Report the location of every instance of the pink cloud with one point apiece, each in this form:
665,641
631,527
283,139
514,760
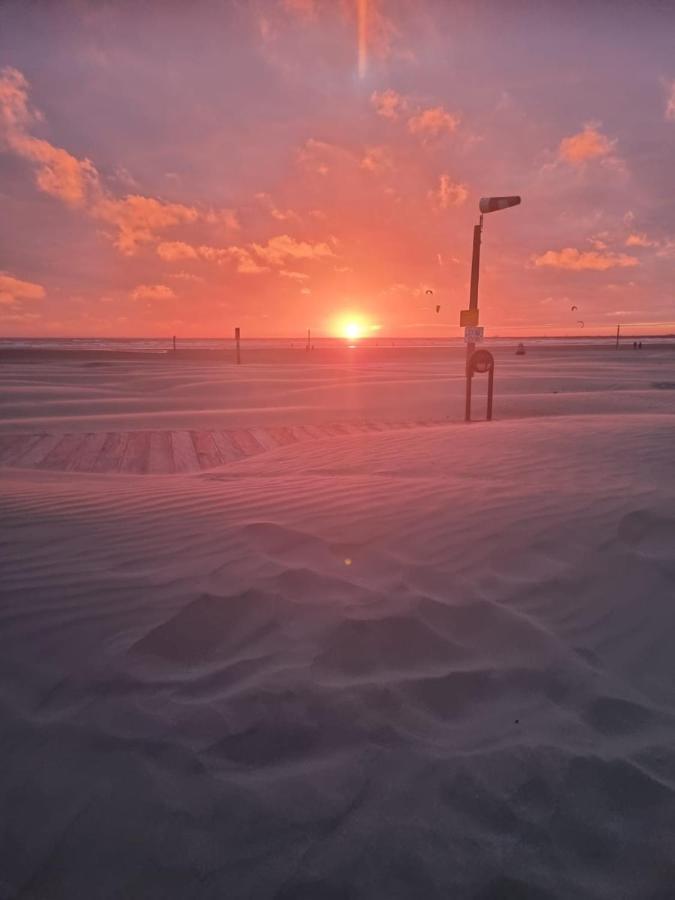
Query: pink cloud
377,160
138,218
587,144
388,104
639,240
58,172
580,260
449,193
433,122
170,251
152,292
279,249
245,263
294,276
13,289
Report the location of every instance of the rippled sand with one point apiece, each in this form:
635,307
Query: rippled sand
401,657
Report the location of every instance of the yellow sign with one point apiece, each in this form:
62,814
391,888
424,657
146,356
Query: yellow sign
468,317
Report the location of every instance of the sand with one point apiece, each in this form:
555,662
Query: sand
374,653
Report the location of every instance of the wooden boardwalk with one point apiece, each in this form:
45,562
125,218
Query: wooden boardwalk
167,452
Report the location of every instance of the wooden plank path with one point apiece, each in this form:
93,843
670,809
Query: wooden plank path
168,452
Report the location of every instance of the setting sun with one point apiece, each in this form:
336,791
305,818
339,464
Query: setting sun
353,330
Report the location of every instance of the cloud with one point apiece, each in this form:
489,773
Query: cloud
587,144
57,172
138,218
279,249
670,102
388,104
281,215
226,217
185,276
13,289
152,292
580,260
320,157
377,160
449,193
639,240
76,182
174,250
433,122
295,276
245,263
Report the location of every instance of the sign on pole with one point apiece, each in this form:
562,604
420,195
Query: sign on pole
468,317
473,334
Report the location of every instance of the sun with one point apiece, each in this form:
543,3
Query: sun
352,330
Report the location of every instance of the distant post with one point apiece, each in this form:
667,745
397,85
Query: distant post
237,335
174,343
308,339
618,328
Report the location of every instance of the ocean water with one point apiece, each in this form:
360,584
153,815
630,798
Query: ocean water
163,344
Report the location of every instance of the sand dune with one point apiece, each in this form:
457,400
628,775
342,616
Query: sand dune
425,661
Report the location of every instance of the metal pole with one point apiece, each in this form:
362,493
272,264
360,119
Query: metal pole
475,272
491,376
467,406
308,339
174,343
617,335
236,337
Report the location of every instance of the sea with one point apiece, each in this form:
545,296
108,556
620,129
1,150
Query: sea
164,344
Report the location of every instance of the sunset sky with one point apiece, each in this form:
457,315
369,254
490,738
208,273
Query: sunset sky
283,164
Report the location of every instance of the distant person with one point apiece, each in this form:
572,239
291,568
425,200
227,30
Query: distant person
634,345
640,346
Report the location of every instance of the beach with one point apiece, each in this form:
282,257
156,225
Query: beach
293,629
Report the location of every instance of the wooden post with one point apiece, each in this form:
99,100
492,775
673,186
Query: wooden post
618,327
237,334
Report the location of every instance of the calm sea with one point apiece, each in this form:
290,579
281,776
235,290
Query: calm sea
161,345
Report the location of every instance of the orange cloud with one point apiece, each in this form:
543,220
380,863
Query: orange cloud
388,104
639,240
173,250
245,263
138,218
58,172
433,122
449,193
279,249
295,276
13,289
579,260
377,160
152,292
587,144
76,182
282,215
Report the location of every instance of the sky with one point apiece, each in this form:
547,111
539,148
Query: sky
277,165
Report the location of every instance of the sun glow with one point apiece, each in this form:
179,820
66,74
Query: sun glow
352,330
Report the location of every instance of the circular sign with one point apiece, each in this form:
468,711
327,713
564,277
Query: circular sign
481,361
